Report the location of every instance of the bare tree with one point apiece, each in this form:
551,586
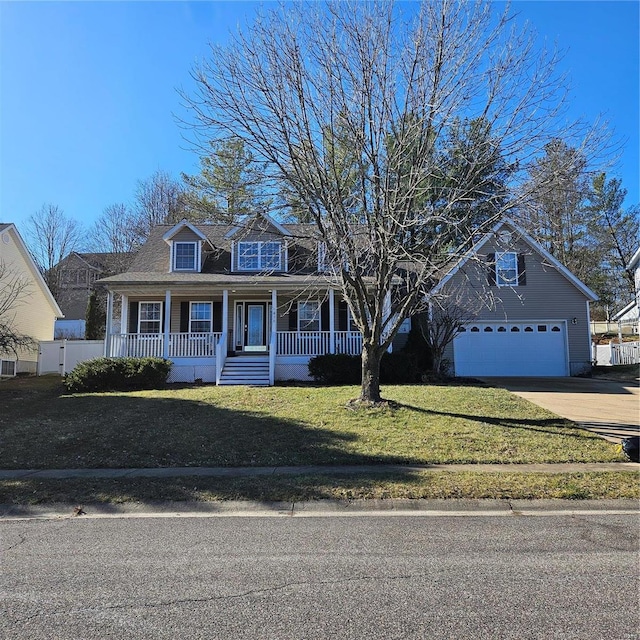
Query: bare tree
439,327
115,232
52,236
159,199
14,291
350,105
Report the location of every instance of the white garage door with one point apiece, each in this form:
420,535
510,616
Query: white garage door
511,349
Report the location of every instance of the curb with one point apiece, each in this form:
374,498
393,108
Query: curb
324,508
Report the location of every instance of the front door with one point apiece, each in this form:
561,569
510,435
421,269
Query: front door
252,326
255,330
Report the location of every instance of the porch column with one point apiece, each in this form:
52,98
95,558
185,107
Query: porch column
124,314
332,322
109,324
273,343
386,314
274,315
167,323
225,311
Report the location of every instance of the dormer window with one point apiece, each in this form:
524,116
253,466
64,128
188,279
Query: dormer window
259,256
185,255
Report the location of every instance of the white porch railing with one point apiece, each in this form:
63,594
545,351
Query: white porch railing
315,343
349,342
181,345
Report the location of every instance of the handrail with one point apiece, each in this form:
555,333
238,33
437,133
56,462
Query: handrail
221,355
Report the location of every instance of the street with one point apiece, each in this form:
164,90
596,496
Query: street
552,576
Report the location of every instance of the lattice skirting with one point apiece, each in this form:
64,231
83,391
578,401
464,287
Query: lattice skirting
184,373
292,372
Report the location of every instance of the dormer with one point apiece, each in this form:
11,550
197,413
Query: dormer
259,245
185,247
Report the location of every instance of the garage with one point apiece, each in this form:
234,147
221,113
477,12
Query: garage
533,348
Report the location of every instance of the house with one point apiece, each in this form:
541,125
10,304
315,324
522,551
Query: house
534,318
245,304
77,275
629,316
253,303
34,311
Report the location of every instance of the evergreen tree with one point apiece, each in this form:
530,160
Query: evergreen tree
95,318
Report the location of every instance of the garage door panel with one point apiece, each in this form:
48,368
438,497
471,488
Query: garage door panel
511,349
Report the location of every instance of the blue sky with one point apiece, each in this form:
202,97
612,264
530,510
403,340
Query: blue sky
88,91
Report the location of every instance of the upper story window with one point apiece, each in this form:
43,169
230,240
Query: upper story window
150,317
507,269
200,317
322,257
260,256
185,256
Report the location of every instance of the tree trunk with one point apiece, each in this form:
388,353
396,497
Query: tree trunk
371,357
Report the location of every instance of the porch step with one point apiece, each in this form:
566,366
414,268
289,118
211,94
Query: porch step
249,370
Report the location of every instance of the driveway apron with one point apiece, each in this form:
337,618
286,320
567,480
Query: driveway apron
609,408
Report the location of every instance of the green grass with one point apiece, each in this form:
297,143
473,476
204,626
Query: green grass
621,372
41,427
427,484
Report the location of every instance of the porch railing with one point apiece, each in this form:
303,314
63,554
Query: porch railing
181,345
314,343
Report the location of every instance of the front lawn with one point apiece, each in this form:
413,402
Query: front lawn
42,427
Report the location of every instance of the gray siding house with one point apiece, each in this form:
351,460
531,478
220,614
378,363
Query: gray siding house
252,304
527,314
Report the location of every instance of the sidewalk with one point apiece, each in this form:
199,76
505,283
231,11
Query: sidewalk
312,470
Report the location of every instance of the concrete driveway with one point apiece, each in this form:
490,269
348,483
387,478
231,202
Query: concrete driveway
611,409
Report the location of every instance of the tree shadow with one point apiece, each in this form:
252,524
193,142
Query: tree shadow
552,426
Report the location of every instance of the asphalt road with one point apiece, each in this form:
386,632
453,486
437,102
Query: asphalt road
340,577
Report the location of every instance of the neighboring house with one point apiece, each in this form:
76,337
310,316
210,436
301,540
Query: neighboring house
629,315
36,310
78,273
535,320
253,303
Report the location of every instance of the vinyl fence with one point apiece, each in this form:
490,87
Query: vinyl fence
61,356
613,354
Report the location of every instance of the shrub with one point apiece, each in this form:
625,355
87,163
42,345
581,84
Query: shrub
337,368
400,367
118,374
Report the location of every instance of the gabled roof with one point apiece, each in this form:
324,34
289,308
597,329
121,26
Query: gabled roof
625,310
31,265
634,260
183,224
591,295
281,230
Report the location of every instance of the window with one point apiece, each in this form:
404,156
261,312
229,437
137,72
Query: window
506,269
184,256
150,317
7,368
200,317
259,256
309,316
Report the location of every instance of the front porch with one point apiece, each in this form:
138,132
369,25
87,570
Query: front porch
269,333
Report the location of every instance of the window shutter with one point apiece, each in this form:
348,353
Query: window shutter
324,316
491,269
133,317
293,317
216,310
342,316
522,271
184,317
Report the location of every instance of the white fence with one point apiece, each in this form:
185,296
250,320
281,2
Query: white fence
315,343
61,356
614,354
